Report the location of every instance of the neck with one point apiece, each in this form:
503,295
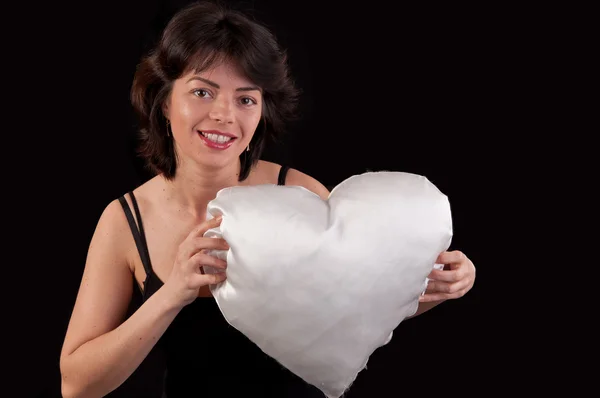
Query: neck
195,185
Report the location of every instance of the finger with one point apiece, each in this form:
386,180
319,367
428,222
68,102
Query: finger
199,244
437,287
209,244
201,229
200,259
450,257
429,297
213,279
446,275
209,279
446,287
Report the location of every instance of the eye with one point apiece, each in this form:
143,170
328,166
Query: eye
201,93
247,101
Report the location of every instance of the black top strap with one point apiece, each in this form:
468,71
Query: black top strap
138,232
282,173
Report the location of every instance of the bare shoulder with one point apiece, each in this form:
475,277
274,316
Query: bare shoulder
113,226
268,172
110,246
106,284
296,177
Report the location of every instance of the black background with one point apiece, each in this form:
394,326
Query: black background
384,88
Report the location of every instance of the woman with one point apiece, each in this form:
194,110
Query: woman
208,97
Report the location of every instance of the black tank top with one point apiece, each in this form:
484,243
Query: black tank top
200,354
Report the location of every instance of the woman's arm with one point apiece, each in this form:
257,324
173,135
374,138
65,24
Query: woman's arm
99,352
453,282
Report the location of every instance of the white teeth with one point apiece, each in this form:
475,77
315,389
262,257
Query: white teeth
220,139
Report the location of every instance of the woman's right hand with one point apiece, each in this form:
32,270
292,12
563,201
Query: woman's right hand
187,277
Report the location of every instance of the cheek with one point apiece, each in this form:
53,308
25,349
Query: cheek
185,112
251,121
182,111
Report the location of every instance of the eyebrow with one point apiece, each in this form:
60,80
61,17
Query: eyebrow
215,85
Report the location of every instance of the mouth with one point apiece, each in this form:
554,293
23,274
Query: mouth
216,139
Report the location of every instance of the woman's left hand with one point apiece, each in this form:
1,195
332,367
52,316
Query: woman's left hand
452,282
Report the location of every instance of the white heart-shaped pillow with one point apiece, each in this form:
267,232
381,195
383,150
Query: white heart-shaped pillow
320,285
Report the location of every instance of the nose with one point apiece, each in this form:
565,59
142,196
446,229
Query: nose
221,111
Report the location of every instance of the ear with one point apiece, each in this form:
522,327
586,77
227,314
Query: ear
165,109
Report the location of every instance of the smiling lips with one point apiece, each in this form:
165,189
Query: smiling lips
216,139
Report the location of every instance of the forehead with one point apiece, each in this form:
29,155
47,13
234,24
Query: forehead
223,72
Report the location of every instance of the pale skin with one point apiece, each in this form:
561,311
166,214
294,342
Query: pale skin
101,349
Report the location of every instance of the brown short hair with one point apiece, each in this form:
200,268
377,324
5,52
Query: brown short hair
197,37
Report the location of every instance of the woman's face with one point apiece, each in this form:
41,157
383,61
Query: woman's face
213,115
